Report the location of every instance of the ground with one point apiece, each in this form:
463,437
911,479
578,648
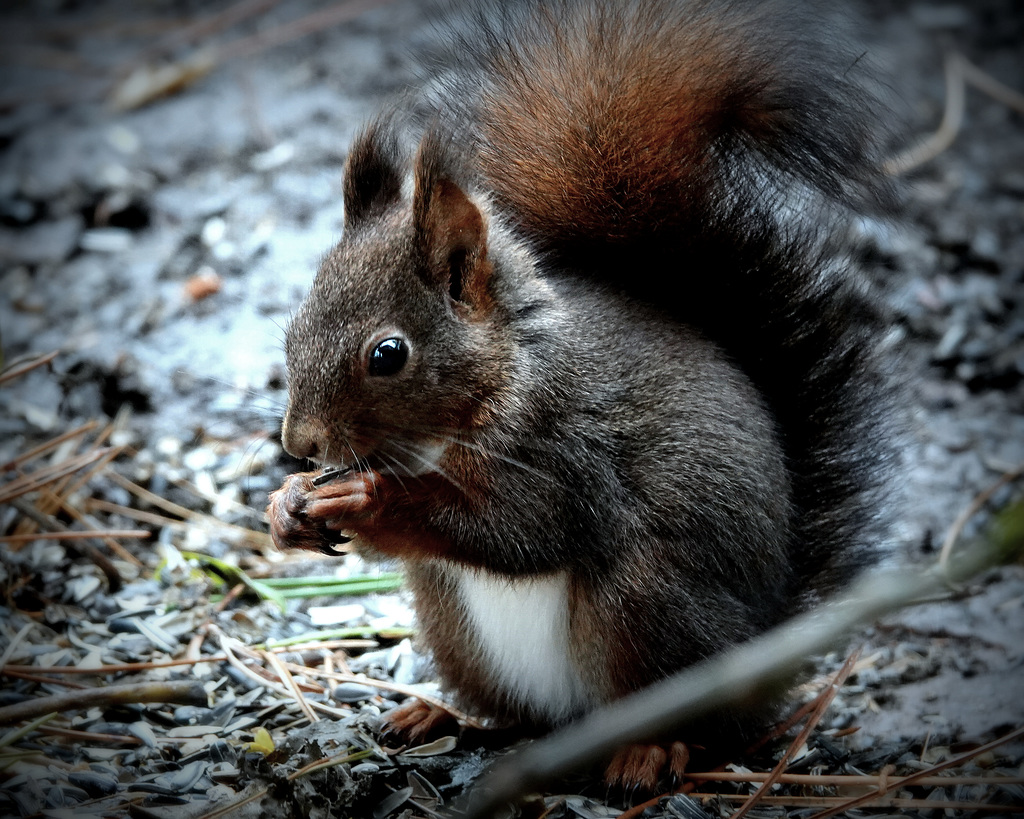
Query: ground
158,247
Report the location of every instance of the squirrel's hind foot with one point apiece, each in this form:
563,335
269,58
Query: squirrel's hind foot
638,767
417,722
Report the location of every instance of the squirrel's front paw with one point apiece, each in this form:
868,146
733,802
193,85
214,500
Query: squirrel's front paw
343,502
304,515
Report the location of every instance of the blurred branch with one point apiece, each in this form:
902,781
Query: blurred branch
149,81
959,74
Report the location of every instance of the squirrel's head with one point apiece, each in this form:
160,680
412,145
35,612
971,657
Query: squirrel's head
397,350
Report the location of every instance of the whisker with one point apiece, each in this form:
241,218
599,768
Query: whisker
411,451
282,327
449,437
508,459
396,464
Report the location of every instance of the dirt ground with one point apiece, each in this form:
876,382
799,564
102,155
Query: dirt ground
159,246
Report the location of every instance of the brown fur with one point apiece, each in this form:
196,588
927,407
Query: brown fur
633,115
695,468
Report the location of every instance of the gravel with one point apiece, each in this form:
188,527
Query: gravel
160,251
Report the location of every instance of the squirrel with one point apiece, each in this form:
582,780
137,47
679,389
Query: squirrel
582,360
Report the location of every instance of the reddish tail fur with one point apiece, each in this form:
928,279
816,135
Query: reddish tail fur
633,120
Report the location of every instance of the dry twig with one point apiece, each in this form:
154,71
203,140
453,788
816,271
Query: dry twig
387,685
329,762
824,700
975,506
874,781
837,804
285,675
33,481
71,534
147,82
19,368
257,674
50,523
46,446
889,786
185,693
959,73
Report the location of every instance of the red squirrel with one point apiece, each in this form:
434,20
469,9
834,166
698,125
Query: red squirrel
580,358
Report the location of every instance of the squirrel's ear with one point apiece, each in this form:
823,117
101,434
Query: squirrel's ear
451,233
373,178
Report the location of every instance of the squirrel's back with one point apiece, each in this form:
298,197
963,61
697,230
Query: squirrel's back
695,155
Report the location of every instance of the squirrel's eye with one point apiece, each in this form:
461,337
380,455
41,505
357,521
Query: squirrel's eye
389,357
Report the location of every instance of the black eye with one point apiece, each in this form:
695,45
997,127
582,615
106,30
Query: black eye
389,357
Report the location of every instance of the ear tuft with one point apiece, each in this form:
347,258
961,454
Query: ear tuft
373,177
450,229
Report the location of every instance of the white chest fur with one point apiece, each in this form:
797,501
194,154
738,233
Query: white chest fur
522,626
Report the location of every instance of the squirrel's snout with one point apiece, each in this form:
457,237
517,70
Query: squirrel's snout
304,437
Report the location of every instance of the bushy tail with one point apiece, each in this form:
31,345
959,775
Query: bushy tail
698,148
632,118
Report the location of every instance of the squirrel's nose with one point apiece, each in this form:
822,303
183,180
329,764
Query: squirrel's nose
304,437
